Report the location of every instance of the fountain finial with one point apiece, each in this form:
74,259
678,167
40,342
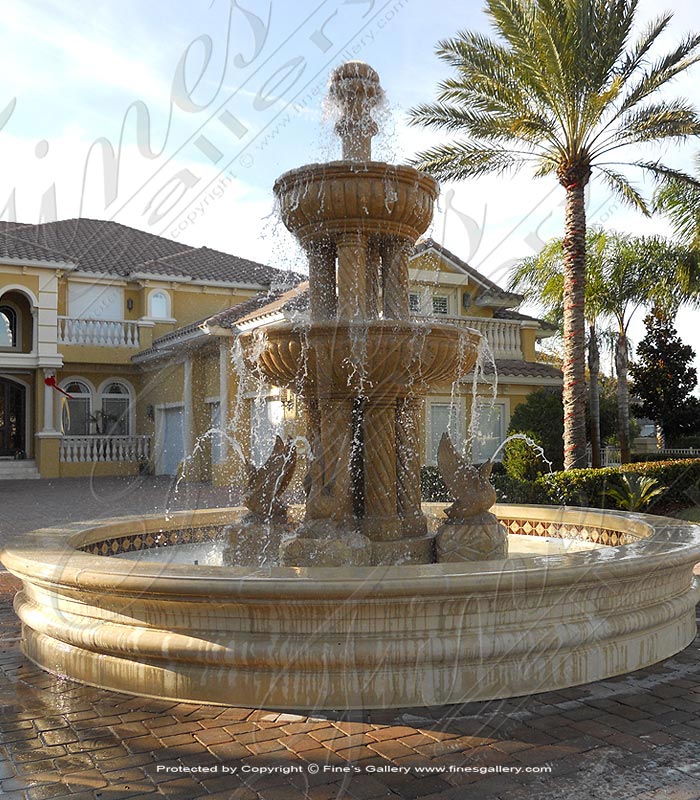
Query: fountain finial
355,87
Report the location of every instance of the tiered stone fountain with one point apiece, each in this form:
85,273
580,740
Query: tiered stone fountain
361,365
383,629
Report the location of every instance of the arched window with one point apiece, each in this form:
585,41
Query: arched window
9,329
76,419
159,305
114,419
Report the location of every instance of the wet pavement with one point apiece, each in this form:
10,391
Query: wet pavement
28,505
637,736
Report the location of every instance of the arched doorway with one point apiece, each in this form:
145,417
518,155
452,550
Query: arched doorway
13,411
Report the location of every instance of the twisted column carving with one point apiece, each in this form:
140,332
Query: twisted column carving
352,276
374,257
323,302
395,255
408,488
335,457
380,459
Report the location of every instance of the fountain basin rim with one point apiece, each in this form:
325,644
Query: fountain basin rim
225,636
50,556
380,324
361,168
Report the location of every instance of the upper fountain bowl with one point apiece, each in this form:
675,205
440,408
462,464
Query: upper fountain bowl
342,196
356,194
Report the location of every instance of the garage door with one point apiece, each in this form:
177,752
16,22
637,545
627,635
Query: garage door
171,443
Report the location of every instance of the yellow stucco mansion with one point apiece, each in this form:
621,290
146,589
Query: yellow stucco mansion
116,352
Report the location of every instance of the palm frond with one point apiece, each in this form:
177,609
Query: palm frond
468,159
636,57
680,202
661,172
623,189
676,119
662,72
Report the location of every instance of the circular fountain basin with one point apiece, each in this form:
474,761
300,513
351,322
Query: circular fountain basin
377,357
332,198
369,637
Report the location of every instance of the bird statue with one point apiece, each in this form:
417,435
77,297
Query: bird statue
267,483
470,532
468,484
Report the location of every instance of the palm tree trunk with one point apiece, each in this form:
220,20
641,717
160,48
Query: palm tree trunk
660,436
594,394
623,398
574,391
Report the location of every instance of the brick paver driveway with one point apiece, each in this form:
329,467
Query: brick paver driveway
28,505
635,737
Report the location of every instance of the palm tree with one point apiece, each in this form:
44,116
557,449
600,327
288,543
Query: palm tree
624,273
541,279
561,88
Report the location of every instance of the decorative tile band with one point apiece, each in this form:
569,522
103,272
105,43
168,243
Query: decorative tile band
560,530
134,542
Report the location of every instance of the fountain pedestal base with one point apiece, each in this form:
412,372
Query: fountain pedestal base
334,549
478,538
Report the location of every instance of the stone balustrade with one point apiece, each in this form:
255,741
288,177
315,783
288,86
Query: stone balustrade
503,335
77,449
98,332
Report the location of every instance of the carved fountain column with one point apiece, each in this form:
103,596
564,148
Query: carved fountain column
408,485
323,302
352,275
395,255
380,520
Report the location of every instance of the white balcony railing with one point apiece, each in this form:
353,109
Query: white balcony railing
98,332
79,449
610,455
503,335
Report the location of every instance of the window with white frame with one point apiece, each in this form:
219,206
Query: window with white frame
442,418
490,430
76,416
159,305
10,326
115,413
95,301
441,304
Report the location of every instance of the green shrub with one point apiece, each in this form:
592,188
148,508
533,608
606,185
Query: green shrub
586,487
542,414
635,492
688,440
433,489
522,460
513,490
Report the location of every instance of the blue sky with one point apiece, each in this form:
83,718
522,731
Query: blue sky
213,99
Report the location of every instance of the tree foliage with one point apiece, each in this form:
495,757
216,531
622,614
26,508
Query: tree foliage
564,87
542,418
664,378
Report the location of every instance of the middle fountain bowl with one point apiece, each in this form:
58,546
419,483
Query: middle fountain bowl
385,358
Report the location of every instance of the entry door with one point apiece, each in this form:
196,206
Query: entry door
172,440
12,417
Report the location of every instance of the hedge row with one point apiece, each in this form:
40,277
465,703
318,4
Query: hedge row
587,487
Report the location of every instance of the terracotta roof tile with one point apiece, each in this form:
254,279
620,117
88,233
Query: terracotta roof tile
103,246
526,369
491,290
14,247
